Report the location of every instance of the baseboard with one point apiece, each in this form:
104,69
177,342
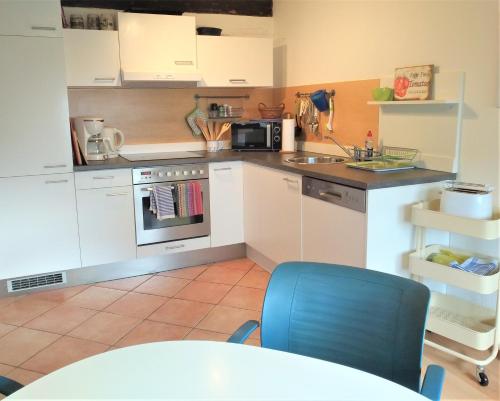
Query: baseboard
260,259
137,267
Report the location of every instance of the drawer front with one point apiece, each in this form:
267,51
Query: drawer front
103,178
167,248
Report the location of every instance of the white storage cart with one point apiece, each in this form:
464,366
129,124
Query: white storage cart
464,322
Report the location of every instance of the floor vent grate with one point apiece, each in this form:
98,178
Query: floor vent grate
44,280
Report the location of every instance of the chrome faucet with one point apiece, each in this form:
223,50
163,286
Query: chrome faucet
346,151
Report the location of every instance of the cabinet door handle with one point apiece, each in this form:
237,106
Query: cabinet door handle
328,194
168,248
223,169
291,181
117,194
55,181
54,166
43,28
183,62
104,177
238,81
104,79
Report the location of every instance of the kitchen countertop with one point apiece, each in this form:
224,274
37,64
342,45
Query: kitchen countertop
337,173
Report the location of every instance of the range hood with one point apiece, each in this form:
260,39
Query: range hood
160,79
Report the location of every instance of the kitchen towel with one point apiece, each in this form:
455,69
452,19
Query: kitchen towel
196,199
182,200
476,265
164,202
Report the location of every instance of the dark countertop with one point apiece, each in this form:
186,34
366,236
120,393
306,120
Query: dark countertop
337,173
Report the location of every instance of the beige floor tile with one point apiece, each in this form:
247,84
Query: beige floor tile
189,273
244,298
224,319
104,327
252,341
63,352
59,295
8,300
24,309
257,268
24,376
181,312
206,335
6,328
96,298
204,292
125,284
21,344
163,286
239,264
255,279
137,305
221,274
149,331
61,319
4,369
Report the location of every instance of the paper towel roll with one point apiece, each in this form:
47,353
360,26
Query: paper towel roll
288,135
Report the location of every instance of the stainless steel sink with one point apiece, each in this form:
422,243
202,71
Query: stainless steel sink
316,159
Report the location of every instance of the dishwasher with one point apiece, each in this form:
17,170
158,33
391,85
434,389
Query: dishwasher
333,223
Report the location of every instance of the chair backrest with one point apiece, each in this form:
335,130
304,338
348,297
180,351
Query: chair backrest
361,318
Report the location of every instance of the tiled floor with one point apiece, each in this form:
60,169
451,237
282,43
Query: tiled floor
42,332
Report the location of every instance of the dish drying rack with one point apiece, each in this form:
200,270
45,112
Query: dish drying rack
462,321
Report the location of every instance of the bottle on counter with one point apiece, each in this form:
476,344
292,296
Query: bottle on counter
369,144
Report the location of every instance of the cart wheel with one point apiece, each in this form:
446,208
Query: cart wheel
481,376
483,379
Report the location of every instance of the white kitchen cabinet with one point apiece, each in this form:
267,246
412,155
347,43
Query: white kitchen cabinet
31,18
333,233
272,212
34,114
92,57
106,225
157,44
226,203
226,61
39,225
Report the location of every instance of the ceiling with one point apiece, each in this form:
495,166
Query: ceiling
259,8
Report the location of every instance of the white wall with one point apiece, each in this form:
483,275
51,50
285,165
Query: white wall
328,40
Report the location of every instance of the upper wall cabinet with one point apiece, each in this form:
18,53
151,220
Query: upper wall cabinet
157,47
92,57
35,136
226,61
30,18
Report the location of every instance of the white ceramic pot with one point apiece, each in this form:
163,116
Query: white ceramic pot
475,202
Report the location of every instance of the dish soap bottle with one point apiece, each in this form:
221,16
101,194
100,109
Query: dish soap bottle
369,145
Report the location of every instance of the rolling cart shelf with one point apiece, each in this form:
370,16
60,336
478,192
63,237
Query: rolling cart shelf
459,320
446,274
427,214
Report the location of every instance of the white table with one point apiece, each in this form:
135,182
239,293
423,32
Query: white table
206,370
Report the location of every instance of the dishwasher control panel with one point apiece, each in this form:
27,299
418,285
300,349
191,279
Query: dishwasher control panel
351,198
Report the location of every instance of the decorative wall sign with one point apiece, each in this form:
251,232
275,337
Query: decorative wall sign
413,83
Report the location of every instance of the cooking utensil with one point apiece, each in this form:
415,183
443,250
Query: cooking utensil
223,130
202,125
320,100
329,125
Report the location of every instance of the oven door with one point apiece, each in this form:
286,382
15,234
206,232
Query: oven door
253,136
150,230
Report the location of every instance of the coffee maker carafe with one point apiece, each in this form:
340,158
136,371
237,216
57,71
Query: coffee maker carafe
90,138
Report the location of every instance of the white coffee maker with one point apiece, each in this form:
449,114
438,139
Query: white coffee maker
89,133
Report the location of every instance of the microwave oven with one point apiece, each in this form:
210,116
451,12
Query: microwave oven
264,135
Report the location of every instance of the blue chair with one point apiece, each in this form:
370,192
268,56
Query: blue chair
9,386
360,318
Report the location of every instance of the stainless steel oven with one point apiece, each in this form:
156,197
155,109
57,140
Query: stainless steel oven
149,229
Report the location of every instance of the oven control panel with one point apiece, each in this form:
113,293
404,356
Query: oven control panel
180,172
